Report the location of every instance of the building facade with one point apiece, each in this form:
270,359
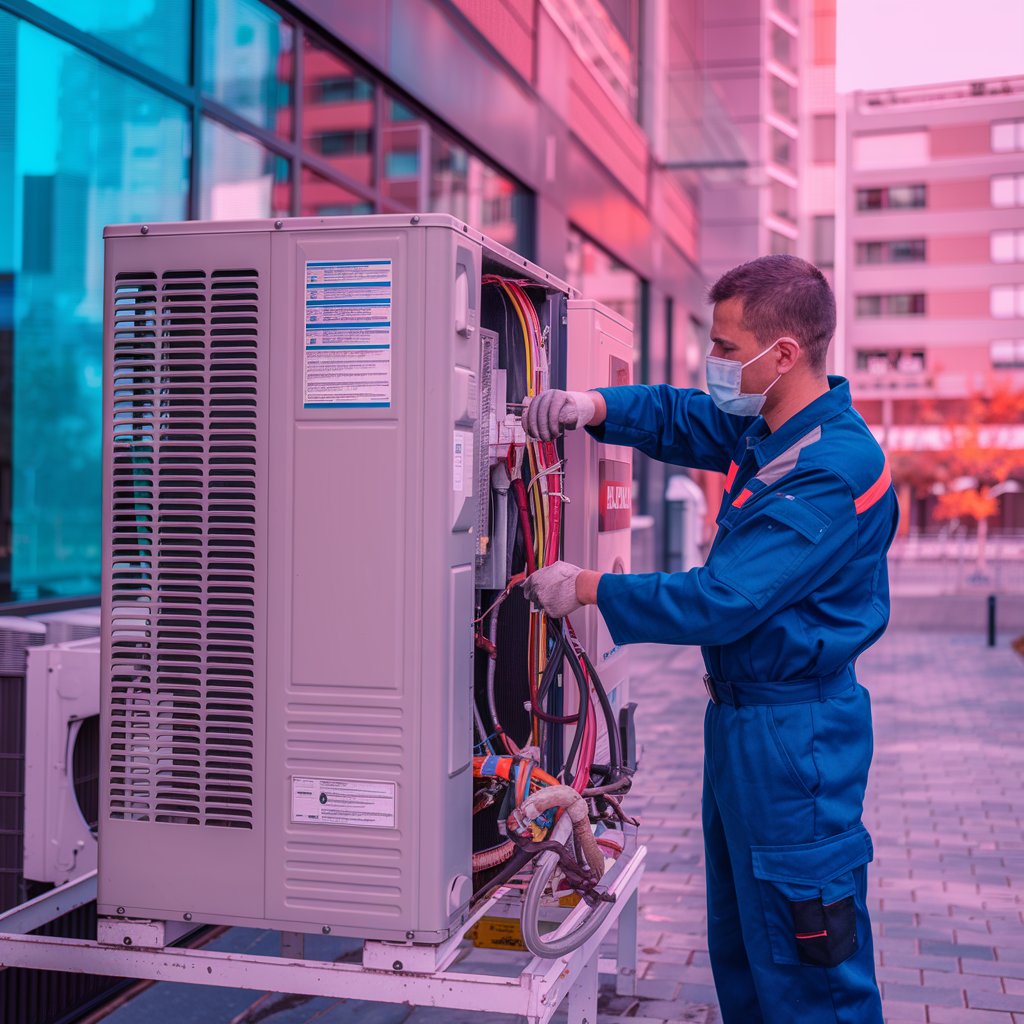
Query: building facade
533,119
931,259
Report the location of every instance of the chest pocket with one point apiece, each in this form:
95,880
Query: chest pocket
766,544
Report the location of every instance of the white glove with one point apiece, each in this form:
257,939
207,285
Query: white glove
550,412
553,589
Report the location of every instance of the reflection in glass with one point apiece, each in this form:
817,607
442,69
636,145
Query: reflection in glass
324,198
239,178
600,276
247,62
405,136
156,32
338,114
70,173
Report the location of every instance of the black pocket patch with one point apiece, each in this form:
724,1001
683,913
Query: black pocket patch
826,933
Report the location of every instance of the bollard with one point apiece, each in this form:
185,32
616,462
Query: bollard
991,620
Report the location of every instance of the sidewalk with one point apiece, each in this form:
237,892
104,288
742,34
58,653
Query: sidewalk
945,807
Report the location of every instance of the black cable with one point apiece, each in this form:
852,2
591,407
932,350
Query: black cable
614,740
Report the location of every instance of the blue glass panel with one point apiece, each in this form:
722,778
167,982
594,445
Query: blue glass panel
248,60
156,32
81,146
240,178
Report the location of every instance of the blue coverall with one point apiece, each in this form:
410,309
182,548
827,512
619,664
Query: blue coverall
794,589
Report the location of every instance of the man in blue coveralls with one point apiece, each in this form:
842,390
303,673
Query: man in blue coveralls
795,587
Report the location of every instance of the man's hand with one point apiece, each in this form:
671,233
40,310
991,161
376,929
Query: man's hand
561,589
547,415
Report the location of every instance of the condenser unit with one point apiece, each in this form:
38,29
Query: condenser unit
312,428
62,706
72,624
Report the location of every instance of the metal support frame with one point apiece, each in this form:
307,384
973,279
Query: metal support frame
536,992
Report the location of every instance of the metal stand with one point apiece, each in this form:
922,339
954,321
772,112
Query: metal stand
417,975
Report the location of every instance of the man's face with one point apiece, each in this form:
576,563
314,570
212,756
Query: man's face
729,340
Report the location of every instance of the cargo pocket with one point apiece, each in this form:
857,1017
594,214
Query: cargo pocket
810,894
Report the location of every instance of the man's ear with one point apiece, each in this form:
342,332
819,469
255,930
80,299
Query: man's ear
789,353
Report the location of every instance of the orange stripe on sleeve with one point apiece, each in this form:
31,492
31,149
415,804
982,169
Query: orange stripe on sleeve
731,475
875,491
741,498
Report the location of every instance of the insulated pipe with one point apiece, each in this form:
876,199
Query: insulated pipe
545,866
579,814
487,859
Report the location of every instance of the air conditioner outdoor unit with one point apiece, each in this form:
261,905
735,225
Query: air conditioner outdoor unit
73,624
310,429
61,760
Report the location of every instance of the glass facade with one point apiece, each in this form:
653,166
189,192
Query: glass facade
600,276
154,110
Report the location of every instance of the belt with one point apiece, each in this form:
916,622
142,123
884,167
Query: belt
787,691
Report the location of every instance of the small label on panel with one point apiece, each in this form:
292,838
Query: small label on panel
347,334
462,459
615,496
344,802
618,372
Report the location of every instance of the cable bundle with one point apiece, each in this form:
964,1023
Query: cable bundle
546,801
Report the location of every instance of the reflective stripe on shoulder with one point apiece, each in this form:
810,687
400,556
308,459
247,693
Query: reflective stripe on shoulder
772,472
731,475
874,493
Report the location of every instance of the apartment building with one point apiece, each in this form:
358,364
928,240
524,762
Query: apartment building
931,253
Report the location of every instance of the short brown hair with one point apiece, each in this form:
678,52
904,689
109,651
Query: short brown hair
782,295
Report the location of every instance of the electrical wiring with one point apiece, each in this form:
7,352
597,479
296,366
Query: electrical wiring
537,797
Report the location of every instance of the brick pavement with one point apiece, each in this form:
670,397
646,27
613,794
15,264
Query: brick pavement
945,806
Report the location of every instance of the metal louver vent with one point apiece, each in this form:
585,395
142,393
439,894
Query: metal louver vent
183,545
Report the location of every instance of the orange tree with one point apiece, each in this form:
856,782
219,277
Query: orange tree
978,457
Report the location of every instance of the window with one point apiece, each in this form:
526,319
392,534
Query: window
783,201
910,250
896,304
338,123
825,241
598,274
896,197
783,97
66,173
1007,190
345,89
823,139
343,143
1006,301
905,197
323,198
783,149
86,142
1008,136
1007,246
886,361
241,179
247,62
783,47
156,32
1007,353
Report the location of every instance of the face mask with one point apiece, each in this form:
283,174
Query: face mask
724,379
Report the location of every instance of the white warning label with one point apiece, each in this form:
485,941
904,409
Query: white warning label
344,802
347,334
462,459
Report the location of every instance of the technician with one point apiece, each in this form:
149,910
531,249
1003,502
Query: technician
795,587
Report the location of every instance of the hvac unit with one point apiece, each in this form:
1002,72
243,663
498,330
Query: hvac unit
17,637
62,709
74,624
322,689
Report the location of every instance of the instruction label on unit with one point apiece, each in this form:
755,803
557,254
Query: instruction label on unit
462,459
344,802
347,334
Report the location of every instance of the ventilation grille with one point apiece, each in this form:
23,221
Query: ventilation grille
183,557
